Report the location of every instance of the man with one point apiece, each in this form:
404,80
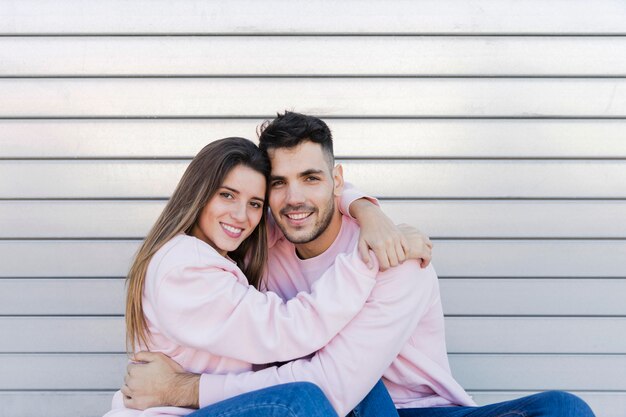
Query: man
399,333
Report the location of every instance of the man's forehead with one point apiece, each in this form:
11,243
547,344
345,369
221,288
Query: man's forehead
307,156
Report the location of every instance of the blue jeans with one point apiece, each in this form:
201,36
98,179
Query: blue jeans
545,404
377,403
298,399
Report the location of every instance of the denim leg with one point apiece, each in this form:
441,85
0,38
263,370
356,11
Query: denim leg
298,399
377,403
545,404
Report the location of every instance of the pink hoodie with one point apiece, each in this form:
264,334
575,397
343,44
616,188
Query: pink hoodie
202,312
398,334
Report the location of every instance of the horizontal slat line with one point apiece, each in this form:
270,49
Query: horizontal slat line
359,117
581,35
458,353
386,77
488,335
534,298
560,259
315,16
326,117
544,372
340,159
484,238
394,97
356,158
347,116
121,315
568,316
369,34
479,297
586,277
439,179
530,354
398,198
548,316
70,315
103,390
617,391
52,278
388,200
119,352
37,371
441,277
315,77
440,239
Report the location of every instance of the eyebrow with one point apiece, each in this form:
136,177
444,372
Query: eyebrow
311,171
301,174
237,192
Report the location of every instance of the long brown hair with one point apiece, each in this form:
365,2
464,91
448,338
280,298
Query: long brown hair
203,177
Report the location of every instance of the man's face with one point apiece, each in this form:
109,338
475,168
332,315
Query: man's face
302,191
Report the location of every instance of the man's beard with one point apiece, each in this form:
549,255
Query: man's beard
319,227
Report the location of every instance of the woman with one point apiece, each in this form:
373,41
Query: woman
188,295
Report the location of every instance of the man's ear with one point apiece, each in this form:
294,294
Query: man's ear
338,180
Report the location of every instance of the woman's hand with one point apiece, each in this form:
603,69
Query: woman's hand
419,246
391,244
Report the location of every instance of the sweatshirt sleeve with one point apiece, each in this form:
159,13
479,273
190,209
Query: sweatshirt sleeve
349,366
206,307
351,194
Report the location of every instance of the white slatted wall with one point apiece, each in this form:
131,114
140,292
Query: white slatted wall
498,127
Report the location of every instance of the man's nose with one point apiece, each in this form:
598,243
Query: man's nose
295,195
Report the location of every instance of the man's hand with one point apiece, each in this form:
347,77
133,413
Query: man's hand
391,244
154,380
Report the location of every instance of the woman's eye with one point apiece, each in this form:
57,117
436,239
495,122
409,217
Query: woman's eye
256,204
226,195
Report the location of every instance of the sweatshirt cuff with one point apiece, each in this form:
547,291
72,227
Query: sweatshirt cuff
350,195
211,389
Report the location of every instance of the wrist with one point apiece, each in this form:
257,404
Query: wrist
361,208
184,391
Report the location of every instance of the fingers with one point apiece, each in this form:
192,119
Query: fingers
126,391
381,254
364,253
144,356
390,250
400,249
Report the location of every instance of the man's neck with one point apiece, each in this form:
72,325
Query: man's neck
323,242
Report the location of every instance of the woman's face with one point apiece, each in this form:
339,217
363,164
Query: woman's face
234,211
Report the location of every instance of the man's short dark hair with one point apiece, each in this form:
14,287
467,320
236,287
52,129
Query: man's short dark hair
290,129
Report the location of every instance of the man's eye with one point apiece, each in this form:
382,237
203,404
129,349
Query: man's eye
277,183
312,179
226,195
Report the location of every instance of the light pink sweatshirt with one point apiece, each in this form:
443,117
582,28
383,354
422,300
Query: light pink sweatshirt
202,312
398,334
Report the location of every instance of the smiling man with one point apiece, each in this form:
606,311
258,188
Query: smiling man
399,333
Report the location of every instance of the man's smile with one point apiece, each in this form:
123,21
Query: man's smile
297,216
